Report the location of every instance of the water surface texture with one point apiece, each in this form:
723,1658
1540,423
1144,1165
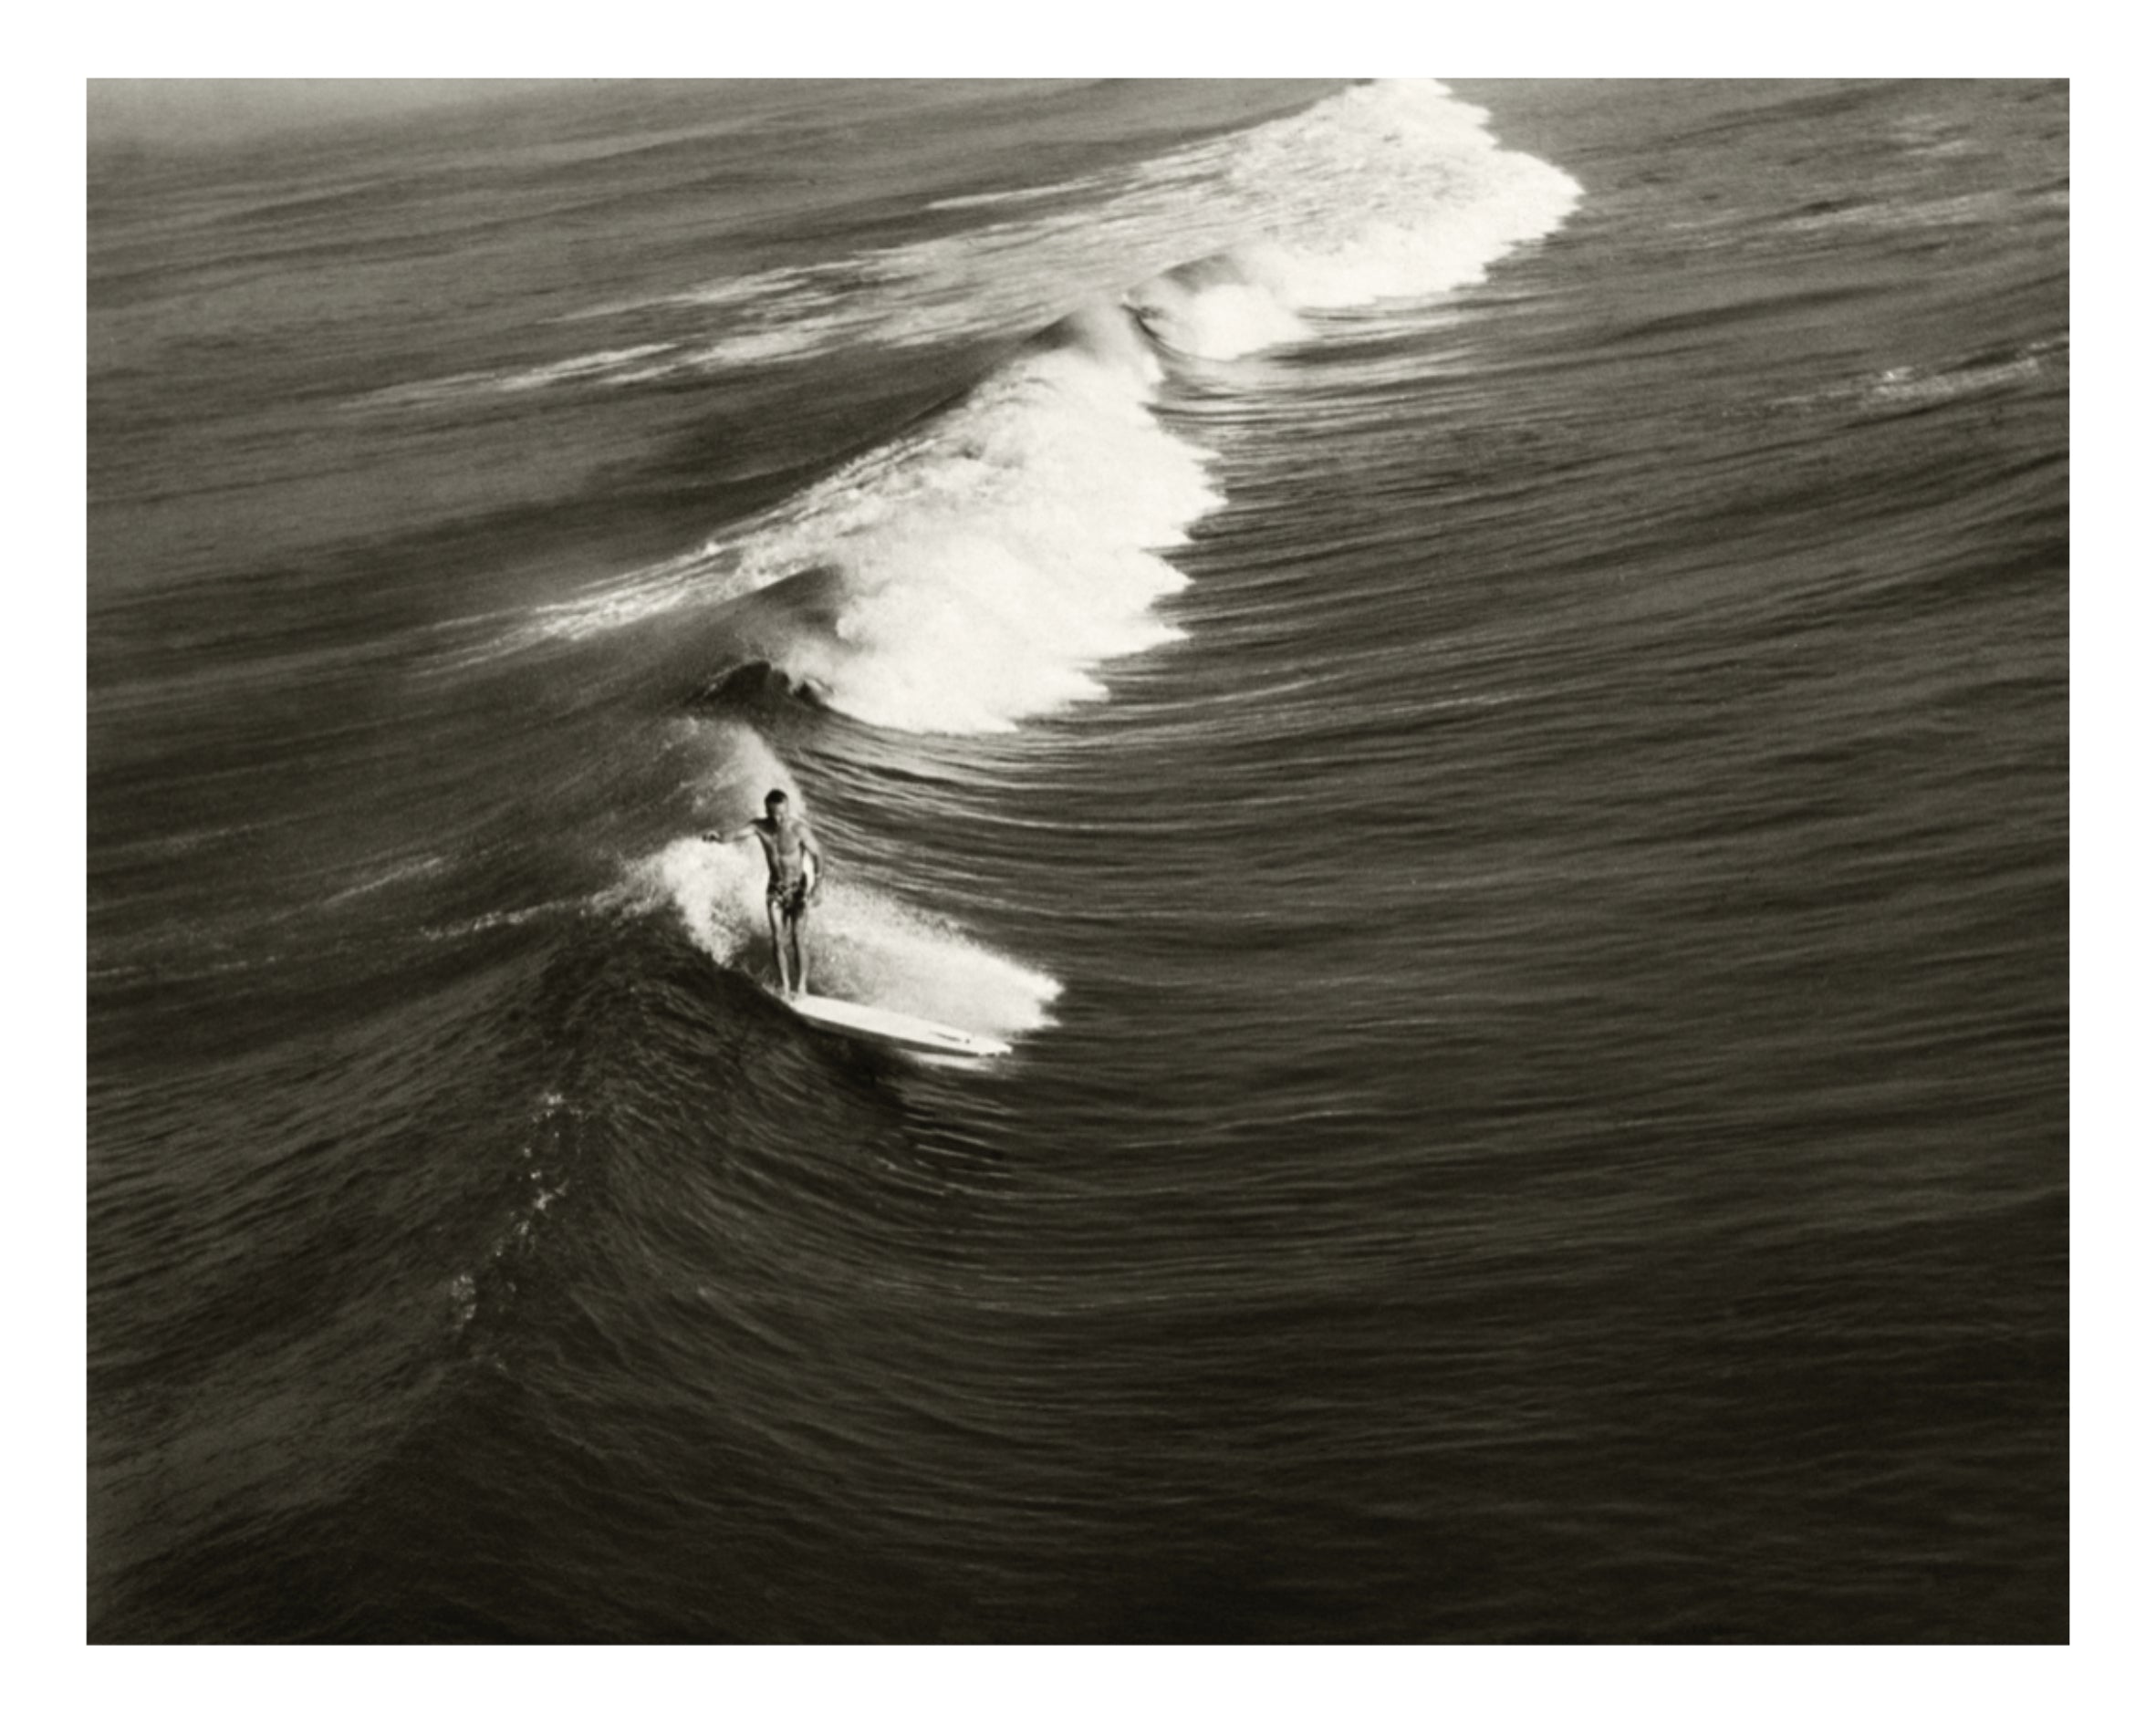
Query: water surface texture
1475,676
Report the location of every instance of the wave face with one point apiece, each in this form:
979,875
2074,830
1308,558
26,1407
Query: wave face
1498,754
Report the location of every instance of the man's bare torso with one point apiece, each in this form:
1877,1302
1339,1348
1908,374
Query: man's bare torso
785,849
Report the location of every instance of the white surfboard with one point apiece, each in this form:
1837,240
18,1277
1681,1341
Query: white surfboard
891,1029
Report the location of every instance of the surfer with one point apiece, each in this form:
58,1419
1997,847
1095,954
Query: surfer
797,865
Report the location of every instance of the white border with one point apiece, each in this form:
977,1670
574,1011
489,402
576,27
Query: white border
2112,1284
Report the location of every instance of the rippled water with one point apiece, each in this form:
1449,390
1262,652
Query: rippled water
1486,705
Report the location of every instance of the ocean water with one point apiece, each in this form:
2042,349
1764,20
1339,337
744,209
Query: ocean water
1475,675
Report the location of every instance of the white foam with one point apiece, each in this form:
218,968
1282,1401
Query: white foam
870,948
718,889
983,566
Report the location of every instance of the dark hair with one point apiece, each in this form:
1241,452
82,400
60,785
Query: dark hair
777,796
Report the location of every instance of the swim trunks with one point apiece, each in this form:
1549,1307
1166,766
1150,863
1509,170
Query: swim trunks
788,900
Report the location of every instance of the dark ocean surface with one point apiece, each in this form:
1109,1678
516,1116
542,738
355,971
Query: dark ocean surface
1486,705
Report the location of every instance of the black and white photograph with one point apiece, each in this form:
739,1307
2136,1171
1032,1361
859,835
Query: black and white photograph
1078,861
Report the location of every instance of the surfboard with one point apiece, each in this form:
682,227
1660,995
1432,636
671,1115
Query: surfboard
891,1029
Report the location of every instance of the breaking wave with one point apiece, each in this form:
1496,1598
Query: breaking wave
978,569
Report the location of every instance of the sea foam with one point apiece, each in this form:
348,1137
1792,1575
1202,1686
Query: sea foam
981,567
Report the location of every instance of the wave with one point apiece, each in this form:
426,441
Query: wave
978,569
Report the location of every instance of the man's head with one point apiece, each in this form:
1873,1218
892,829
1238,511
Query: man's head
774,805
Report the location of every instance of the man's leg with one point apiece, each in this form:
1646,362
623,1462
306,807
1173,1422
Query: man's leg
778,945
800,948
